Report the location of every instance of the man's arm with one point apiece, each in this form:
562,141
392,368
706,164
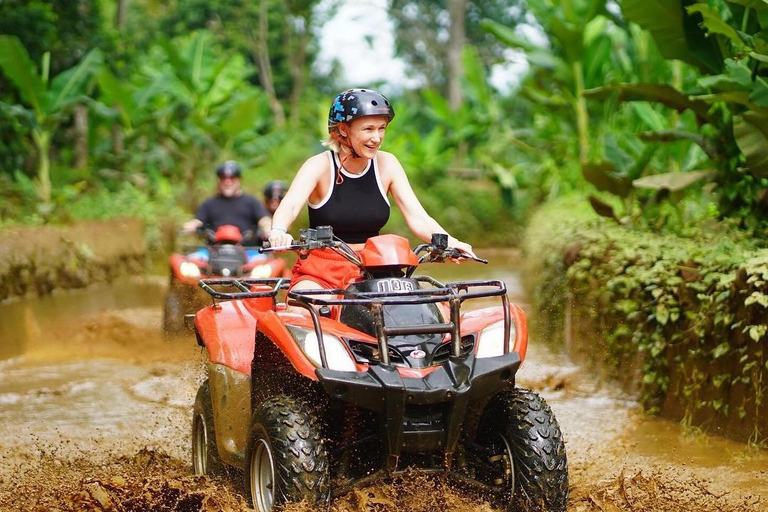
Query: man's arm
262,218
191,225
201,215
265,223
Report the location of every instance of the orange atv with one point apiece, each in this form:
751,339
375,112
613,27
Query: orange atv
224,255
332,388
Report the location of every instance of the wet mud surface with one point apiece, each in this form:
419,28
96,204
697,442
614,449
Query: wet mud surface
96,415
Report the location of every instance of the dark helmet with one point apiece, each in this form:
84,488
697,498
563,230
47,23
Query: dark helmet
229,169
354,103
275,189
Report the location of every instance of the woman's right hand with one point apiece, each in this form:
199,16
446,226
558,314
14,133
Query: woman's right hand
279,238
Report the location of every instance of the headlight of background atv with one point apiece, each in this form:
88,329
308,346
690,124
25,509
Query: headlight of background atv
491,342
261,271
189,269
335,352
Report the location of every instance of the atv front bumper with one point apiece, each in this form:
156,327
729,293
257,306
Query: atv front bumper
423,414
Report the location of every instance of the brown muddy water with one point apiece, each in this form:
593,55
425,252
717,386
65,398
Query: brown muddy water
96,415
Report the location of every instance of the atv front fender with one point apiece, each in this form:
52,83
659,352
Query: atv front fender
423,414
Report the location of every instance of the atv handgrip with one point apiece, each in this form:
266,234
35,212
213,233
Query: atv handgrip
267,247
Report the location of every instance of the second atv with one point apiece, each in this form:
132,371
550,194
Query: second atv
224,255
332,388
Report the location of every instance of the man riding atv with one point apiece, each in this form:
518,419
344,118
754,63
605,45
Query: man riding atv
232,224
231,206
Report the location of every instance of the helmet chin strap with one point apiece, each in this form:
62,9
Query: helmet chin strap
344,142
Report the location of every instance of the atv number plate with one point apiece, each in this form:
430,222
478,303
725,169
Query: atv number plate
394,285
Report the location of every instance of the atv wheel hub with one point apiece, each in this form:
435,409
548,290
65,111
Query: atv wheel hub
262,477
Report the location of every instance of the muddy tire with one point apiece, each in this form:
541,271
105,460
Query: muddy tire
519,428
286,460
205,455
173,314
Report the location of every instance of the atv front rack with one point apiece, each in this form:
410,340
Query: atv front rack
245,285
453,293
315,300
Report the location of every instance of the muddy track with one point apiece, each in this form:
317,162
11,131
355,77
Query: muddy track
97,417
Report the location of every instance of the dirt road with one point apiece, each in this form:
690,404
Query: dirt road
96,413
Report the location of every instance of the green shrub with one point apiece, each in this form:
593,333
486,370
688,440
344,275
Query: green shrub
680,320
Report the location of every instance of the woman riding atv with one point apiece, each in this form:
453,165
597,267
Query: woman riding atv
347,188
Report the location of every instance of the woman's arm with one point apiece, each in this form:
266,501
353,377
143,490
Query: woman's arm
417,218
301,188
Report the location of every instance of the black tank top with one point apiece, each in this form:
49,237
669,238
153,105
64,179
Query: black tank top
357,208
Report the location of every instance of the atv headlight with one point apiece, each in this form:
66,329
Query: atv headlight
189,269
491,341
261,271
335,352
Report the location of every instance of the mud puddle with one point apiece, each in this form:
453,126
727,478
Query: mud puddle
96,415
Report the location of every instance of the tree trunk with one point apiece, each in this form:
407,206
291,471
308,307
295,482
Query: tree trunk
81,136
118,142
120,14
298,63
582,114
457,10
265,68
43,144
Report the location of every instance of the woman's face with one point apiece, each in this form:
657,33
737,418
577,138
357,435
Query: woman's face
366,134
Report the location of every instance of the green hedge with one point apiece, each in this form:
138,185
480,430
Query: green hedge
680,320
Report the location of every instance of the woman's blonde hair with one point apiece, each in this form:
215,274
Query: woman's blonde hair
330,141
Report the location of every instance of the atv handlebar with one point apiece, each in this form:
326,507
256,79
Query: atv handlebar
436,251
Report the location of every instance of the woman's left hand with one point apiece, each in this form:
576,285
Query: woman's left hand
463,247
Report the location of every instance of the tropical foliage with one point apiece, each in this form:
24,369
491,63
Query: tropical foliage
655,111
680,320
48,99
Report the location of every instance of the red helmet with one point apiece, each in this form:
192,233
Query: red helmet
228,233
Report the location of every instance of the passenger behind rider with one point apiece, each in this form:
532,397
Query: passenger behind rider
274,192
231,206
348,188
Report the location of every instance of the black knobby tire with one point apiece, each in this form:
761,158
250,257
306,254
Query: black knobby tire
520,424
286,460
205,455
173,314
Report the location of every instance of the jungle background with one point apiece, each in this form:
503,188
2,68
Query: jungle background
629,157
655,115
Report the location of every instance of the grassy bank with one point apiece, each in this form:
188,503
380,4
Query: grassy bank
681,321
39,259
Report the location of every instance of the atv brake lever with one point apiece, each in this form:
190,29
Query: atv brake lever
458,253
